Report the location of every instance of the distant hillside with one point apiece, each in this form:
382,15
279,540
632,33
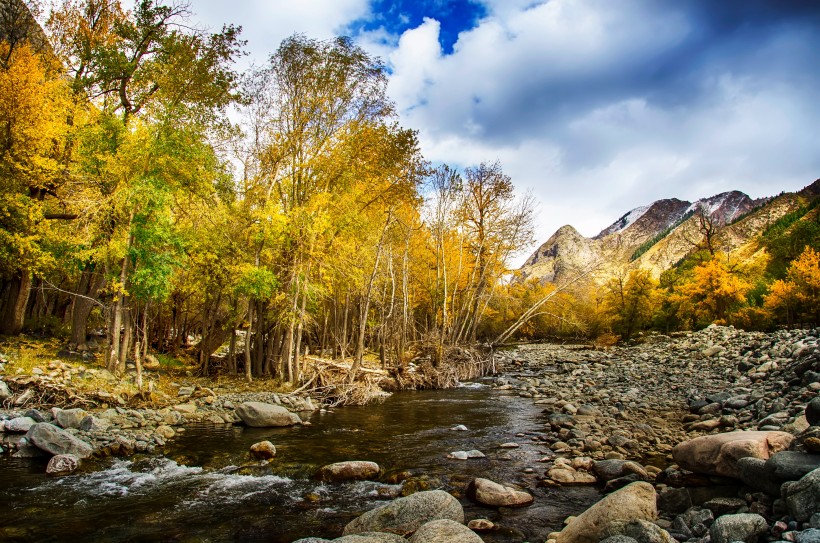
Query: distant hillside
657,236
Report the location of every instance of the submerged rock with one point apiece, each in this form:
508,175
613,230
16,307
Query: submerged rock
63,464
263,450
353,470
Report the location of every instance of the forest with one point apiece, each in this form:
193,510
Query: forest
156,199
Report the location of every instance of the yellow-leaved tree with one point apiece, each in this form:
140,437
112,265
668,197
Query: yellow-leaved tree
796,299
714,293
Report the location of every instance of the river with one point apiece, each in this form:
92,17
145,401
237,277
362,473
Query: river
203,489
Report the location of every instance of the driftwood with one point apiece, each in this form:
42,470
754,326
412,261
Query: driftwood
31,390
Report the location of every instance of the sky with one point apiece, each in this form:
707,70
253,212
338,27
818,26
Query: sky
595,106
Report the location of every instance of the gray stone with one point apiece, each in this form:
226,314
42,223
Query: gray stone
640,530
814,521
69,418
674,501
353,470
312,540
62,464
745,527
37,415
406,515
5,392
94,424
444,531
812,535
724,506
19,424
615,468
813,411
792,465
263,415
54,440
753,472
619,539
803,497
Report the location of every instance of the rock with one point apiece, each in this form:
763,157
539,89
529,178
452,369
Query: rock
803,497
150,363
263,450
745,527
607,470
641,531
753,472
509,445
724,506
69,418
813,411
674,501
186,408
570,476
459,428
406,515
444,531
712,351
481,525
165,431
370,537
490,493
619,539
94,424
62,464
264,415
718,454
54,440
353,470
812,535
792,465
633,502
19,424
5,392
312,540
37,415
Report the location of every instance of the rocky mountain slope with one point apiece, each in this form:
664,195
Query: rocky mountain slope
656,236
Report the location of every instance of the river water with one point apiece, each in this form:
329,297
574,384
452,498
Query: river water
204,489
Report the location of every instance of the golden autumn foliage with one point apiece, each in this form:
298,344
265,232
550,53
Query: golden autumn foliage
796,299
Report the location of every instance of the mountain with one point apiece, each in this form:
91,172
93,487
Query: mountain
657,236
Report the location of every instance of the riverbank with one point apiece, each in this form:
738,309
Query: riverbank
608,419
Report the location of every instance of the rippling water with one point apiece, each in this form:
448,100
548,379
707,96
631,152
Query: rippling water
206,488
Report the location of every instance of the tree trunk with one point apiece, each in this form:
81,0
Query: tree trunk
90,285
14,301
248,375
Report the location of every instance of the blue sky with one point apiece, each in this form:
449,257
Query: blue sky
595,106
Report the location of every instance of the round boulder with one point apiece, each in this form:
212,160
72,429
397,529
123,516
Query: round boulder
53,440
354,470
264,450
803,497
406,515
445,531
486,492
636,501
265,415
62,464
742,527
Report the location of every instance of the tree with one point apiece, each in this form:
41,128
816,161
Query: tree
714,293
631,302
797,298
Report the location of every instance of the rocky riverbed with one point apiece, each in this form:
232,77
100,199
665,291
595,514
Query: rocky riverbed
700,437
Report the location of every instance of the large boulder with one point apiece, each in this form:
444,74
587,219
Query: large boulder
745,527
445,531
353,470
265,415
641,531
406,515
803,497
753,472
636,501
53,440
69,418
792,465
718,454
490,493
